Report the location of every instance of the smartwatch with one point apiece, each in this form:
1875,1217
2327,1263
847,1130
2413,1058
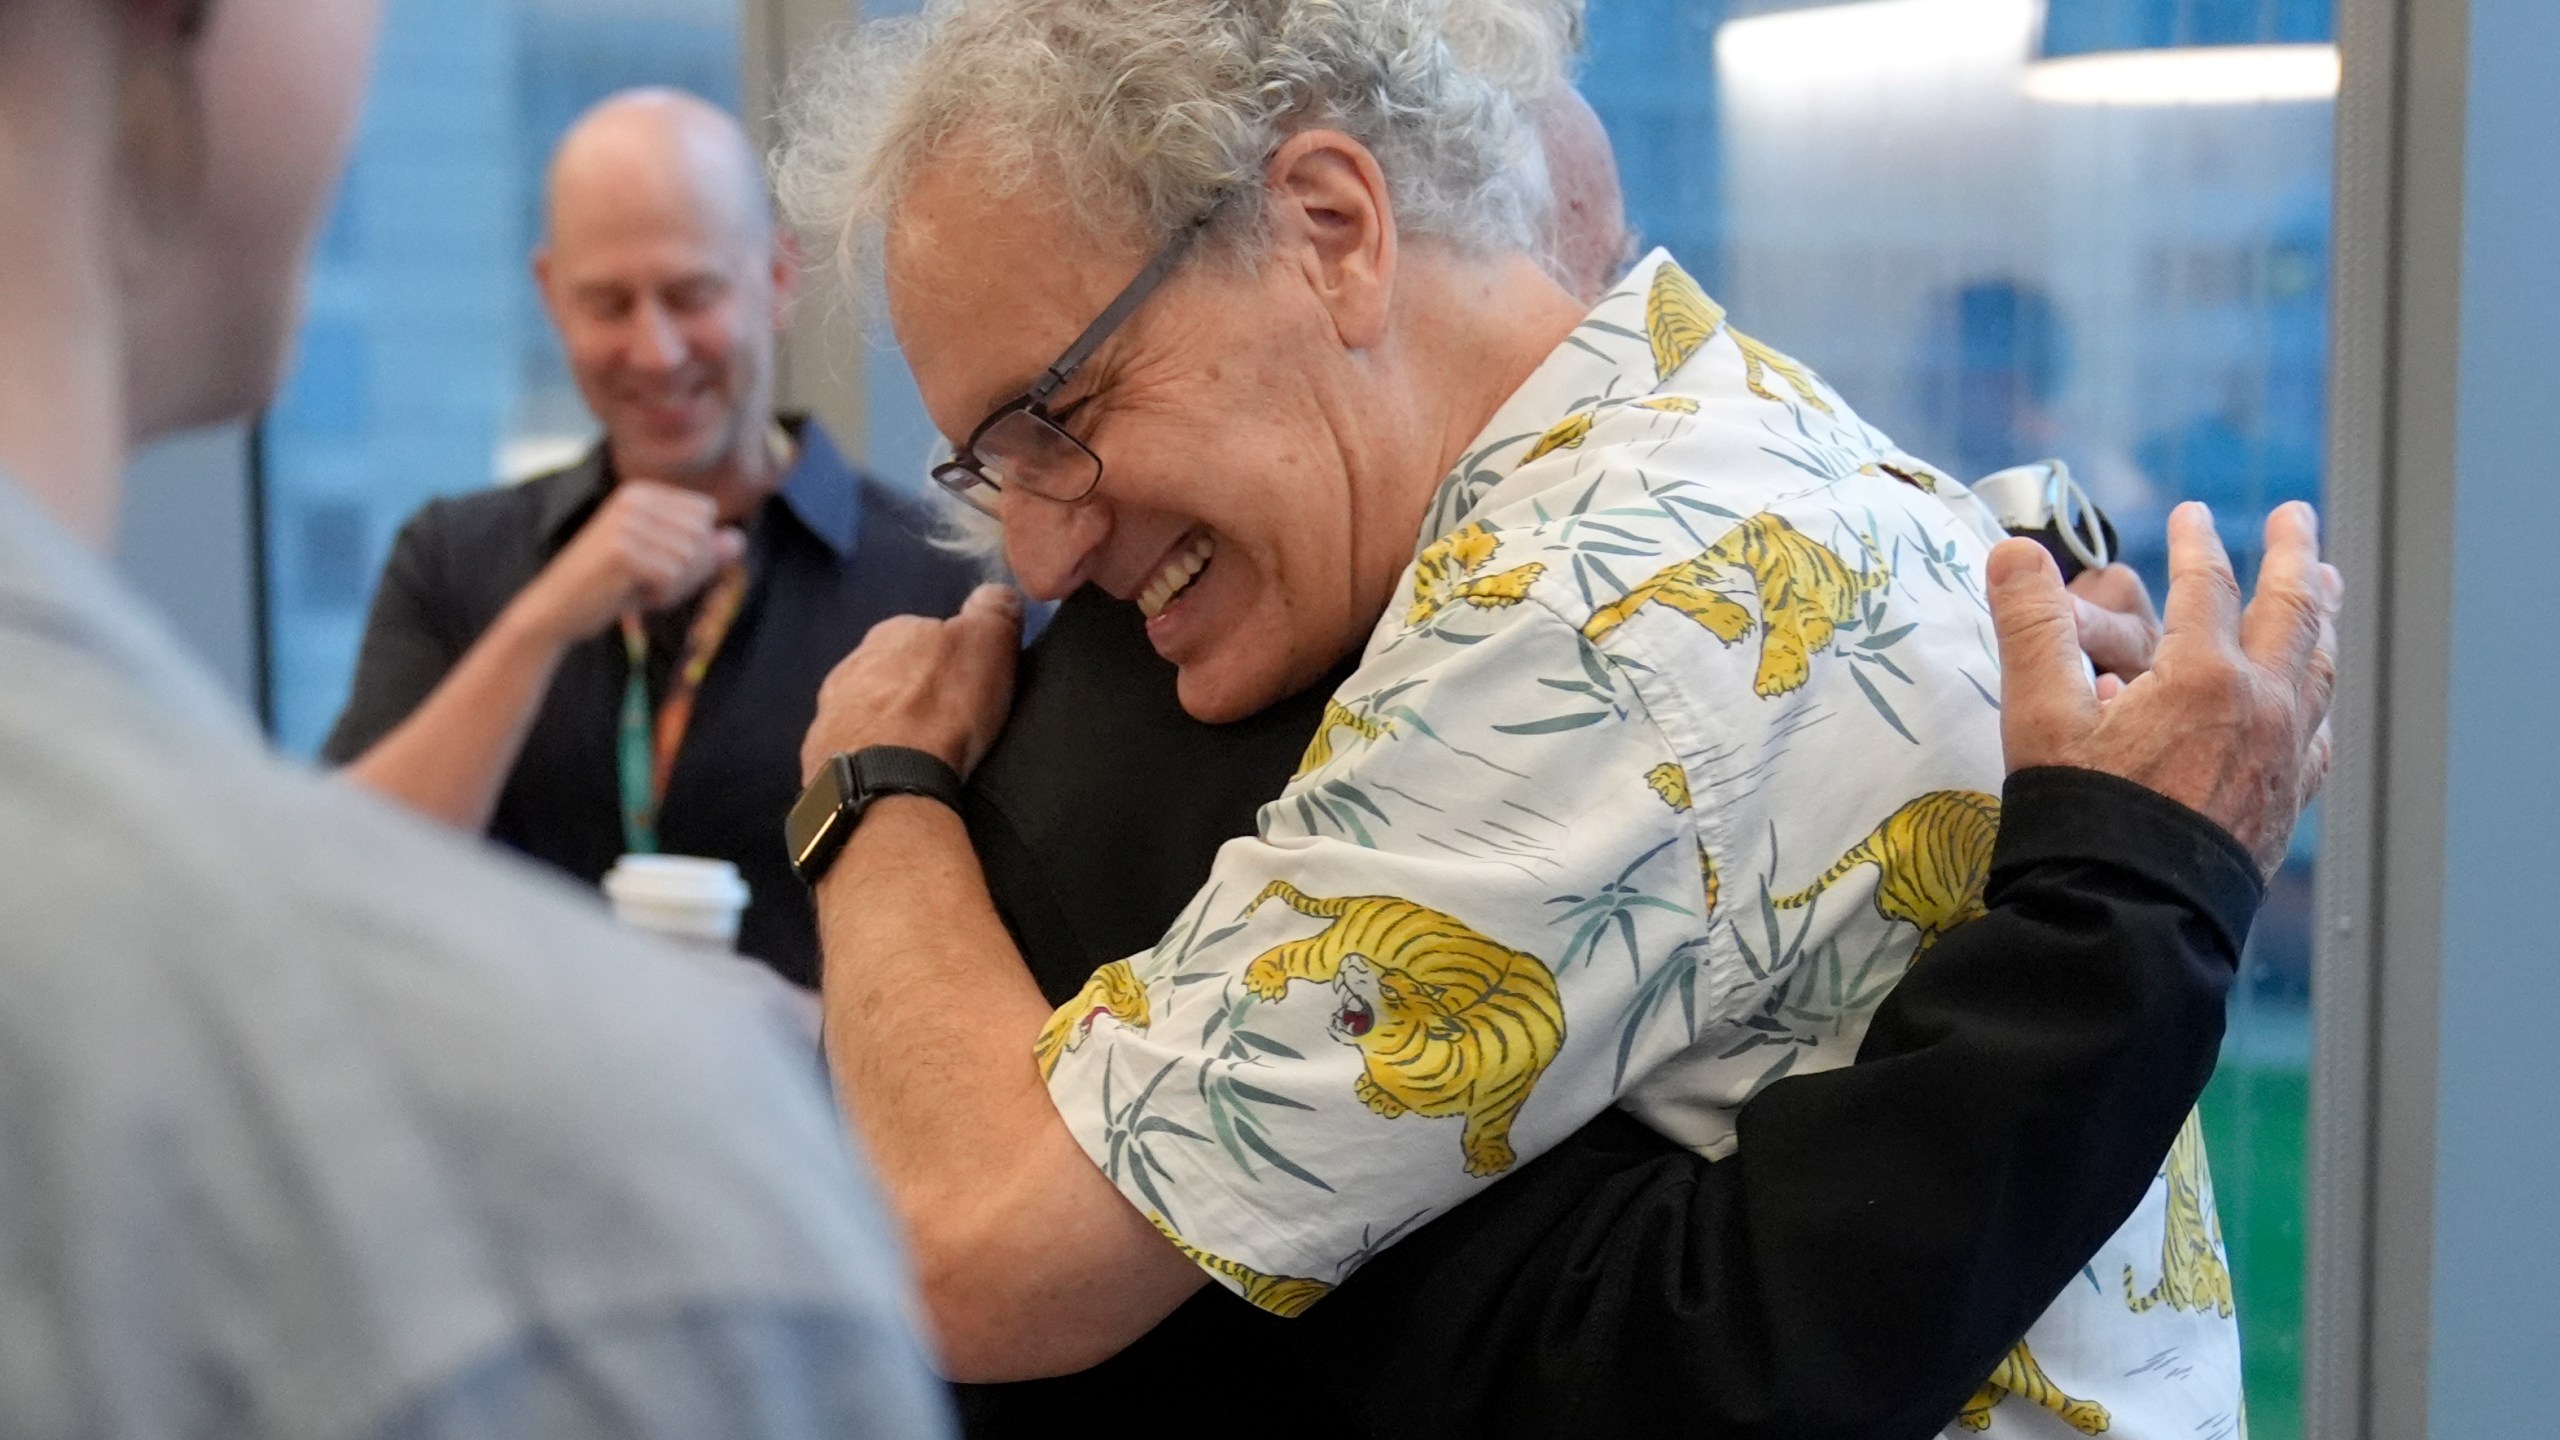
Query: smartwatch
2041,502
846,785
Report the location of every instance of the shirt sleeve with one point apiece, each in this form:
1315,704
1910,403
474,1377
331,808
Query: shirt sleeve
408,649
1886,1231
1432,963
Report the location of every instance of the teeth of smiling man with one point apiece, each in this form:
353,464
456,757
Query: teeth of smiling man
1179,571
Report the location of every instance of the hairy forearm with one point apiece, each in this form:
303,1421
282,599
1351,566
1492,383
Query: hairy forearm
450,758
930,1019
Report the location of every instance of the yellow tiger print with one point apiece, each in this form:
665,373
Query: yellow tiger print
1283,1295
1806,593
1572,430
1446,575
2020,1375
1679,318
2192,1274
1759,359
1935,853
1114,990
1568,434
1672,783
1449,1021
1338,716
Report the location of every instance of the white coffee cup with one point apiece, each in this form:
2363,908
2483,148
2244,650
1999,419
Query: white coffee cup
682,897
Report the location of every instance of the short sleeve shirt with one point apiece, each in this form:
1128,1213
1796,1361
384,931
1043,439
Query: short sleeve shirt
1679,743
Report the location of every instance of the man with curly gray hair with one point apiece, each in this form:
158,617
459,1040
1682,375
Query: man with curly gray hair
1635,596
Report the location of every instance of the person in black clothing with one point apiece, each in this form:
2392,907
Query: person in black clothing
926,1000
1884,1233
622,655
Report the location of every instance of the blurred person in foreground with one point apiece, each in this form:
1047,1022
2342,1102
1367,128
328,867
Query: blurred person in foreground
621,657
1201,1081
317,1123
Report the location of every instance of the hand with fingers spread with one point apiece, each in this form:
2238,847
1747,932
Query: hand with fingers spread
647,547
940,686
2232,718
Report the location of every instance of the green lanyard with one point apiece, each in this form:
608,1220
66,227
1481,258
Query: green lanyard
646,750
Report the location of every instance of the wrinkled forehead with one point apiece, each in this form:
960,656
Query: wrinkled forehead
987,289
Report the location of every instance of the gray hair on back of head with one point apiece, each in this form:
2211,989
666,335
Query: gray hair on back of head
1148,115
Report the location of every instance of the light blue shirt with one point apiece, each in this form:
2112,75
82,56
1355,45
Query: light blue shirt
317,1121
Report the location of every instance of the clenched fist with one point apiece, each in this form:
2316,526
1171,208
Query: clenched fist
647,547
940,686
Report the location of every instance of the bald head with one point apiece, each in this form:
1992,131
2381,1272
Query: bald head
674,152
663,272
1587,229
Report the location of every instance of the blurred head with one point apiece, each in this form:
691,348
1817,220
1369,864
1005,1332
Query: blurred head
1587,237
662,269
1271,422
1531,48
211,134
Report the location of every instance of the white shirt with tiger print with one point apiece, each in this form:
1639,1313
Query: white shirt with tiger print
1679,744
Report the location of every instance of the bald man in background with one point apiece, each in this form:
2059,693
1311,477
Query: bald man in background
622,655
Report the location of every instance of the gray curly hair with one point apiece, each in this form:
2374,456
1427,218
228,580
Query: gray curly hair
1152,114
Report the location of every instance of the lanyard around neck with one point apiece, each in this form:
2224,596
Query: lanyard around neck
648,745
646,752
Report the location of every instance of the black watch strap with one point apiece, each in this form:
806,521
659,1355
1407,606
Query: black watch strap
835,801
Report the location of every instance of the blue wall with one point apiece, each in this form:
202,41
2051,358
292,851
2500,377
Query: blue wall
2497,1250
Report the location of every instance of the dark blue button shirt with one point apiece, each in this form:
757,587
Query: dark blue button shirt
831,554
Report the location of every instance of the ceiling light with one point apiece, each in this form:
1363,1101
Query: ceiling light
2191,75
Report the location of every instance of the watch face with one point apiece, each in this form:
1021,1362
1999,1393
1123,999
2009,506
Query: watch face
814,817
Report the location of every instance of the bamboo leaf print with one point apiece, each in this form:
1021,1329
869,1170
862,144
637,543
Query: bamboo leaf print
1876,698
1263,1148
1554,725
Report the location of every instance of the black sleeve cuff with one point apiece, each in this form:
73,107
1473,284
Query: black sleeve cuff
2055,813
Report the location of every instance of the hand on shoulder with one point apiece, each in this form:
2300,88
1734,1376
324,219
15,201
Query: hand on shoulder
2231,721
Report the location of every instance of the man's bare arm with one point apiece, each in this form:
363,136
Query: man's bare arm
1030,1262
647,547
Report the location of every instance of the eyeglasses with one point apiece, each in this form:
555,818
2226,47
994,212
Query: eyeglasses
1021,443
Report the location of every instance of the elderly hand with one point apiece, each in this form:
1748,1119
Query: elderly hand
2231,722
940,686
648,546
2119,630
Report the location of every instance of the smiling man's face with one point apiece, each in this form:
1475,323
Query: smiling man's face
1227,510
664,280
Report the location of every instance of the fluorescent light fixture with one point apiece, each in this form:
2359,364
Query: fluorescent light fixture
1833,39
2194,75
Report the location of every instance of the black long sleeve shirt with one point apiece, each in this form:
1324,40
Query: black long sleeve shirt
1883,1234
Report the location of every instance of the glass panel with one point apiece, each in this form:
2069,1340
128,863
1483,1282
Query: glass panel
426,366
1998,259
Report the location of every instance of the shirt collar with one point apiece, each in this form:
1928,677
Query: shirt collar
1608,355
821,490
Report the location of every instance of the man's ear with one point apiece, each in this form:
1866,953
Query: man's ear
1330,212
542,278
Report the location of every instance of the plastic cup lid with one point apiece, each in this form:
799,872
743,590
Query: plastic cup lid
676,880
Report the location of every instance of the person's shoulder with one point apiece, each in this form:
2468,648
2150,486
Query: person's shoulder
285,977
494,521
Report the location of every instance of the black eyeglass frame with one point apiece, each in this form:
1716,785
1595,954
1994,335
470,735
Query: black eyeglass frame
965,472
